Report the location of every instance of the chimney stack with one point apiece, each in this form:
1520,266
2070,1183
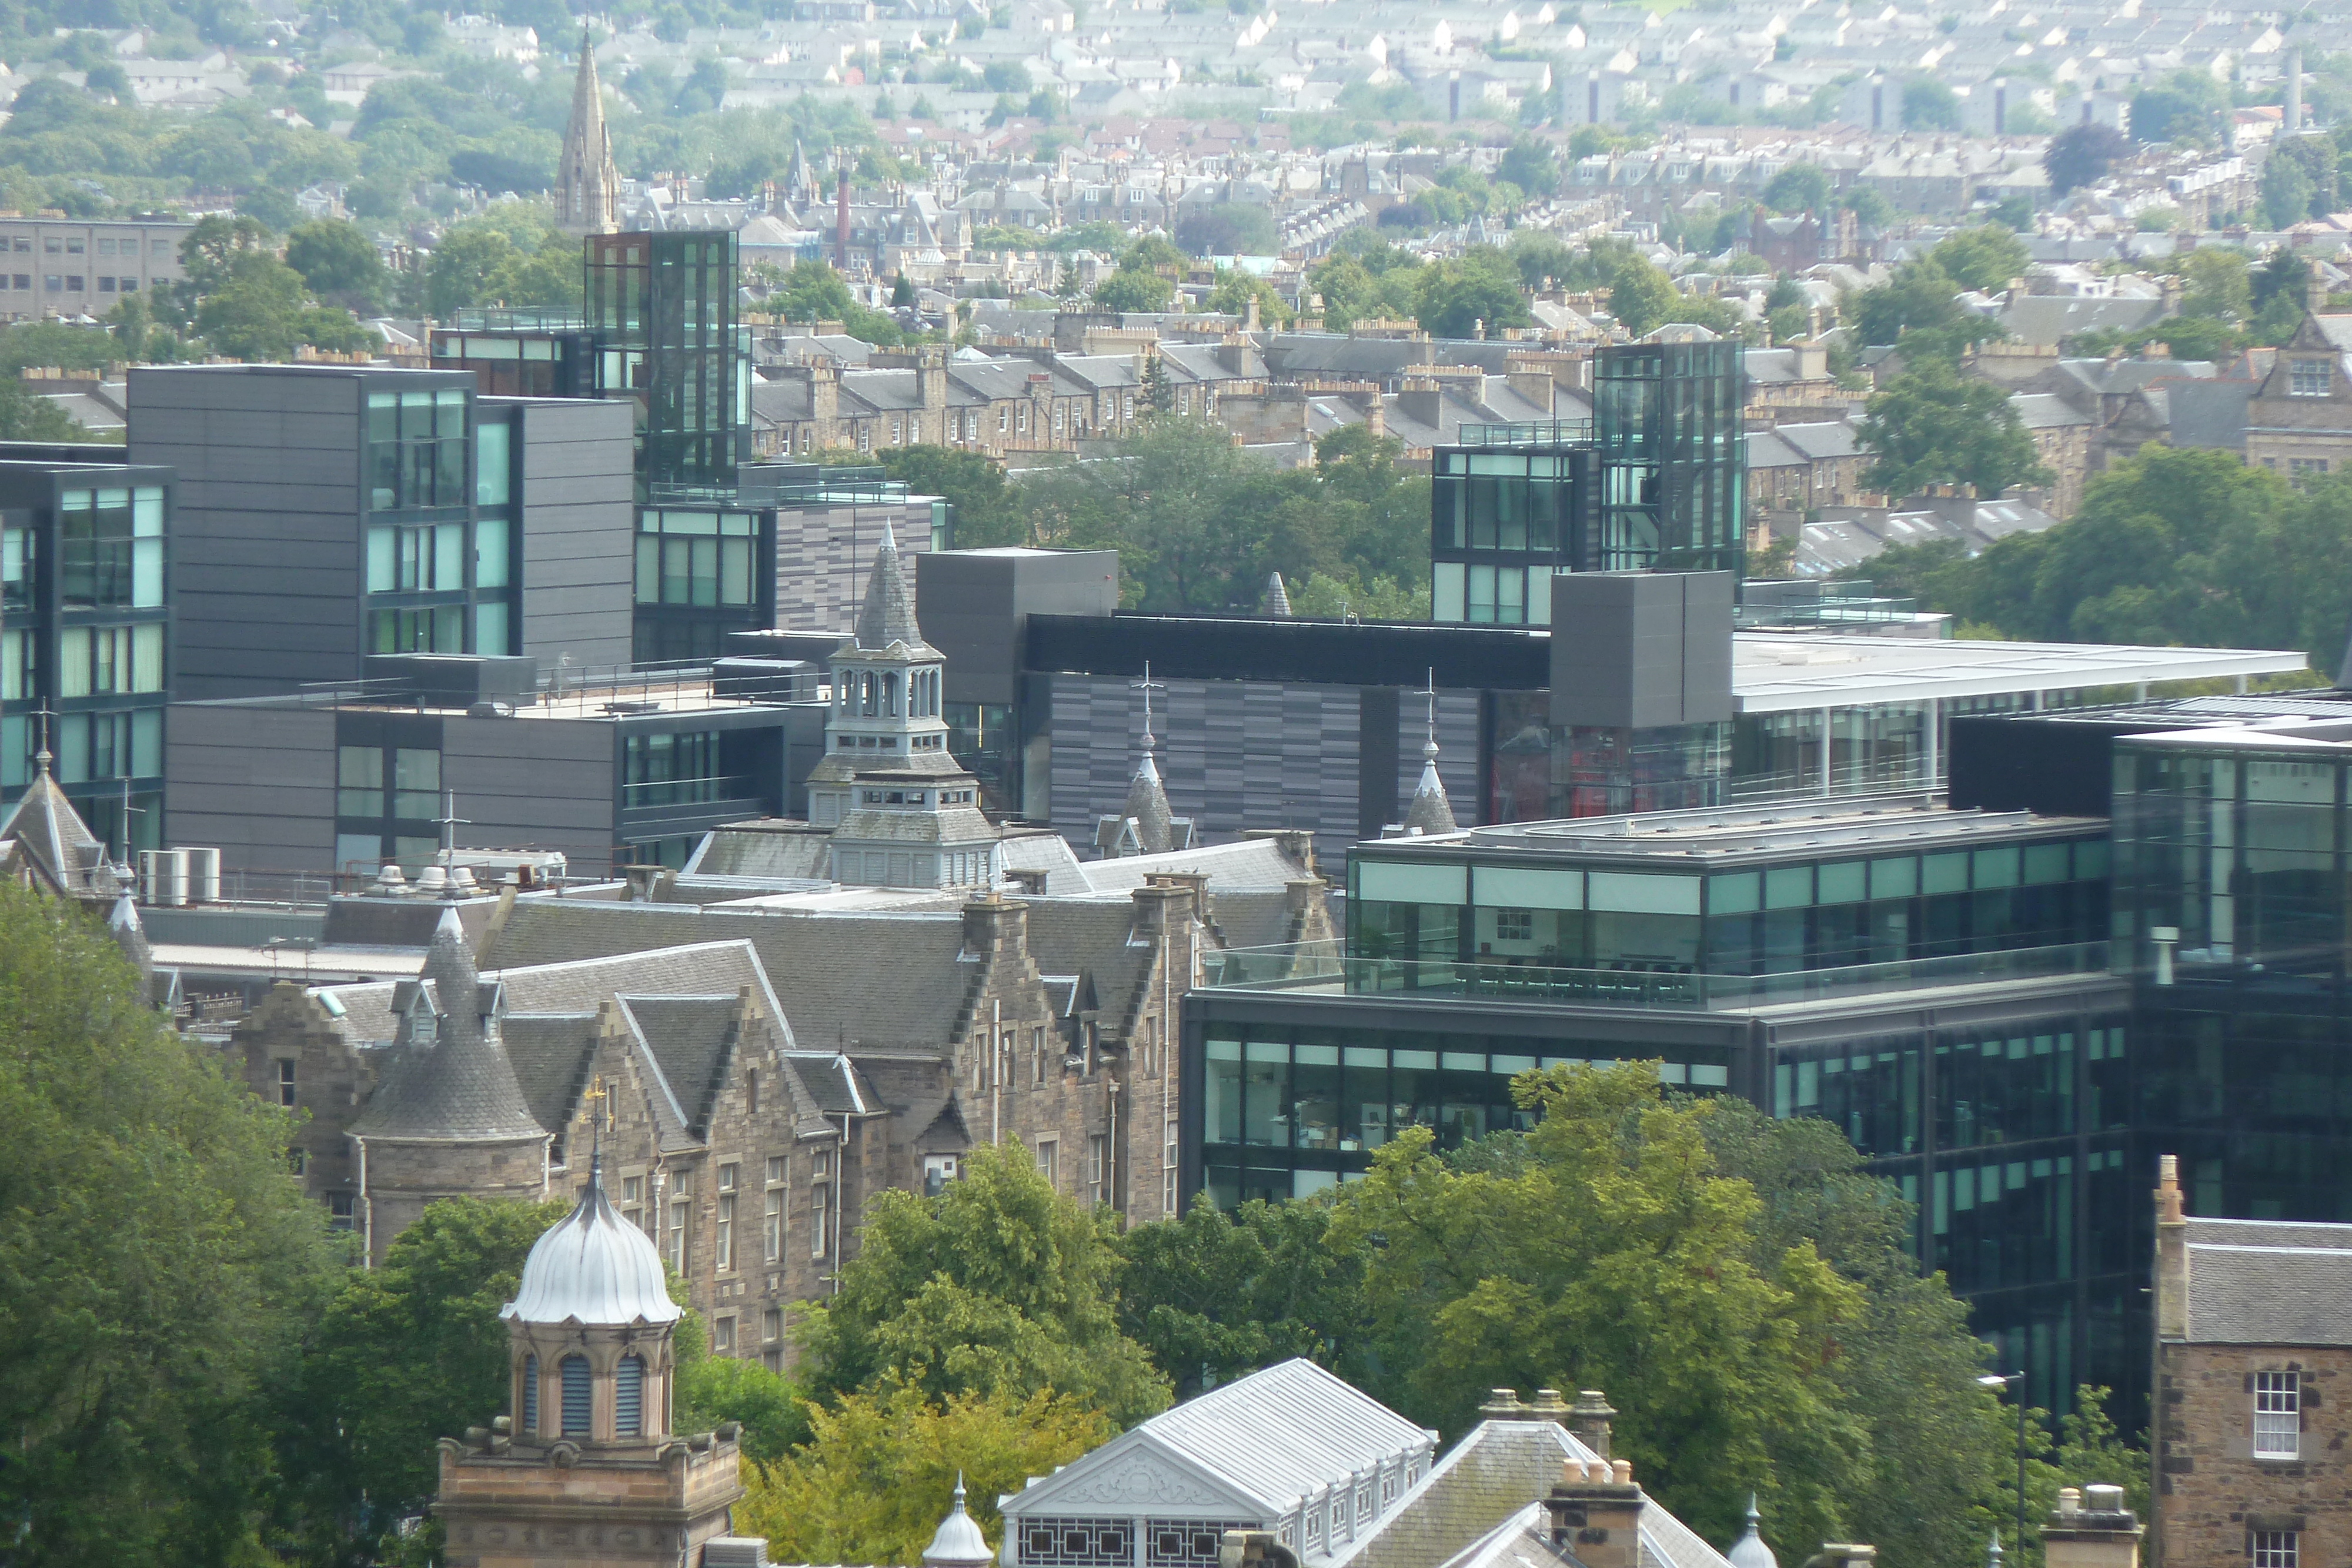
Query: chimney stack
841,222
2172,1252
1596,1514
2091,1528
1588,1422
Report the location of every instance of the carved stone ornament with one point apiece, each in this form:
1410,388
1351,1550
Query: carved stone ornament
1137,1480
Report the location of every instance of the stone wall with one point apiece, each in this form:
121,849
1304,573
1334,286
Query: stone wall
2211,1493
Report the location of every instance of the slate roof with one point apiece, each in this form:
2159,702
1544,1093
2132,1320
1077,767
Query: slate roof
778,850
2044,318
2209,414
1480,1505
549,1053
2267,1281
46,830
888,615
690,1038
456,1084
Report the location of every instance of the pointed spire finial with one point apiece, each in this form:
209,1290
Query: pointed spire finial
1992,1554
1147,686
1429,690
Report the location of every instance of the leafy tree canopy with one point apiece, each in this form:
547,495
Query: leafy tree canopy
998,1287
1932,426
2082,155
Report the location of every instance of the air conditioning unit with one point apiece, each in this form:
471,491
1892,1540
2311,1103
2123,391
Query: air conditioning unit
204,876
163,877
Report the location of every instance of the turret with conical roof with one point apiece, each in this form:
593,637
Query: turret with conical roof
587,185
447,1118
905,813
44,842
1276,602
1749,1550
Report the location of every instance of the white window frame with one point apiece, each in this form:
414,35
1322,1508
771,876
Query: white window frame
2273,1547
1049,1160
2278,1414
2309,378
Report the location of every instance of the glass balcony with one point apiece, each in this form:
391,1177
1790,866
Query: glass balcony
1321,967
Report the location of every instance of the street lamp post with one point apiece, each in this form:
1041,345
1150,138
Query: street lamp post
1995,1380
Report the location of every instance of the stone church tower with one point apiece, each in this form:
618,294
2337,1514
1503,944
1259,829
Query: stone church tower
586,1471
587,187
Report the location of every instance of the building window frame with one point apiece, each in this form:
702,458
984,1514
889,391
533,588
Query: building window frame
2278,1414
2273,1547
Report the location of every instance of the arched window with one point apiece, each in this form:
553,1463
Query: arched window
530,1394
868,706
890,694
574,1369
629,1398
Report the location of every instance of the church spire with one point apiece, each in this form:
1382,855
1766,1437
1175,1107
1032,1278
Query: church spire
1430,813
587,185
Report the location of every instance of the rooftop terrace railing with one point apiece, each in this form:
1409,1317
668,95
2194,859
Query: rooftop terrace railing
1319,967
1527,433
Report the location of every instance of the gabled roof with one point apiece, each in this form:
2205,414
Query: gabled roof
2268,1282
50,834
1268,1440
691,1037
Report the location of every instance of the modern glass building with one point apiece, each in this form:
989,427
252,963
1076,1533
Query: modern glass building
1654,481
85,632
663,310
1935,982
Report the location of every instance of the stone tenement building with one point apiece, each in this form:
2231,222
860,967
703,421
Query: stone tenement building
2252,1389
775,1045
2299,420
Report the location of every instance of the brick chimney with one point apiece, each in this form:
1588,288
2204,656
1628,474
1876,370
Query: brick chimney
1596,1514
2091,1528
2172,1252
996,929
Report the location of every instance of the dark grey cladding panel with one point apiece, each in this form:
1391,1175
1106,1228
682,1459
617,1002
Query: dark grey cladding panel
1641,650
977,605
258,782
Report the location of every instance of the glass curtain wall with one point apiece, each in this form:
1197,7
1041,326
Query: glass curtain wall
1674,457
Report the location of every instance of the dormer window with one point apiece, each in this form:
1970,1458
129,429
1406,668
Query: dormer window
2308,378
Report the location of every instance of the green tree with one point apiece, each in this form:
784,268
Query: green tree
997,1286
2317,156
880,1470
713,1389
1869,208
2219,285
1987,259
2286,193
25,415
2081,155
458,276
404,1354
1929,105
1131,290
1932,426
339,264
1481,286
1531,164
1228,228
1213,1296
261,312
1640,297
2185,107
1608,1253
1235,288
973,484
1542,260
1799,188
159,1263
214,245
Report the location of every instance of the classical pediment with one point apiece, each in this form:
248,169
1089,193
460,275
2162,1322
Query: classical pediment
1135,1476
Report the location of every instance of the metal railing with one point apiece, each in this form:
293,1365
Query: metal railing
705,791
1319,967
1527,433
508,320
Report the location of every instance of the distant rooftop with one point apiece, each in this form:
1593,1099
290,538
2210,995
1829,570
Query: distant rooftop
1880,824
1776,671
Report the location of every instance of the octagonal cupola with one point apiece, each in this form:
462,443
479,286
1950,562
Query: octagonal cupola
591,1330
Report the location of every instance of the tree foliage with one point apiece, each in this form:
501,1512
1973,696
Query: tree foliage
1613,1255
2174,546
880,1469
1799,188
404,1354
156,1264
1213,1297
1987,259
998,1287
1934,426
2081,155
1640,297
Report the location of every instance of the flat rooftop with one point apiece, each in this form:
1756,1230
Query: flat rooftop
2306,734
1717,835
650,697
1776,671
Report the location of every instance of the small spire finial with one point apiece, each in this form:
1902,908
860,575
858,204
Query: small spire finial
1429,746
595,1108
1992,1554
1147,686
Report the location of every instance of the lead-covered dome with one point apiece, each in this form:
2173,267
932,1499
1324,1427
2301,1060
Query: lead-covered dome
593,1267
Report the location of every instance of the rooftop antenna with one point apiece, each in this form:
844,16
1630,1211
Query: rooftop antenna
1147,686
450,821
1429,690
128,811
